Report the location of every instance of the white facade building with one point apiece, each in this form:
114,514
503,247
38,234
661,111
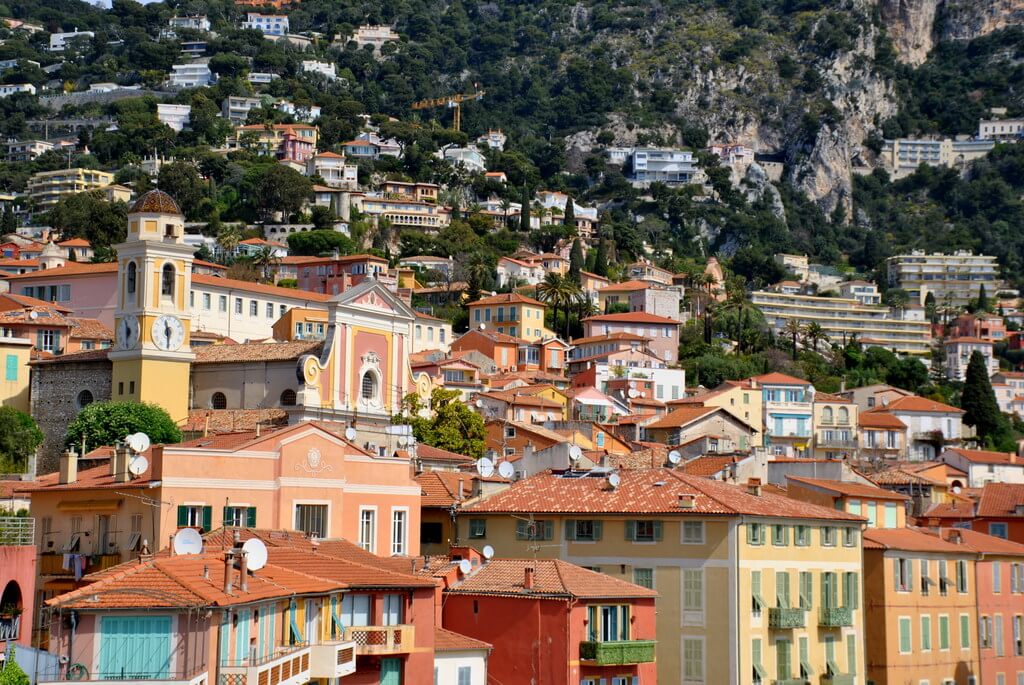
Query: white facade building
493,139
662,165
375,35
236,108
325,69
58,41
954,279
307,114
176,117
267,24
192,75
1001,129
196,23
958,356
469,158
903,156
12,88
332,168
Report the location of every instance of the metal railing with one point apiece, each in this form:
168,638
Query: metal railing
17,530
381,639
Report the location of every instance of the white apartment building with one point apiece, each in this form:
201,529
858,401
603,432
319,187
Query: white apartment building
842,318
958,356
511,270
267,24
493,139
12,88
177,117
191,75
468,157
1001,129
661,165
59,41
304,113
954,279
196,23
331,167
261,77
375,35
325,69
862,291
425,216
236,108
27,150
903,156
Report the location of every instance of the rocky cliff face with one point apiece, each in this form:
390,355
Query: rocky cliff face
916,25
911,26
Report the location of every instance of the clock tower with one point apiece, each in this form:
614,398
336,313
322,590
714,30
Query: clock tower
152,352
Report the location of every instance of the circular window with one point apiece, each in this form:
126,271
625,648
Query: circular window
288,398
218,401
369,386
85,398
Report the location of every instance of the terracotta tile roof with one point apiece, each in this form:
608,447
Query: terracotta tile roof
779,379
1001,499
831,399
333,566
510,397
959,509
644,491
898,476
968,340
96,478
880,420
683,416
625,287
493,335
75,242
909,539
611,337
437,454
552,578
848,488
448,641
234,420
535,429
633,317
89,329
707,465
209,265
440,488
507,298
262,288
915,404
986,456
980,542
255,352
69,269
76,357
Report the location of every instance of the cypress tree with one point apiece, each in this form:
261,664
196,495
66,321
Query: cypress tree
576,261
983,304
524,216
569,218
979,400
601,259
8,224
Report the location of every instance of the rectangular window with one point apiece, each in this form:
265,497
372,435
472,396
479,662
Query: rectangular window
270,310
906,644
944,632
240,517
222,303
851,590
890,514
368,530
802,536
926,633
644,577
926,579
997,577
206,301
829,589
782,589
828,536
11,367
760,675
195,516
465,675
587,530
984,632
399,525
238,305
903,572
755,533
1018,635
999,530
693,596
965,631
780,536
311,519
254,307
961,576
643,531
806,590
477,528
693,660
392,610
757,601
943,577
849,536
693,532
534,530
783,659
998,634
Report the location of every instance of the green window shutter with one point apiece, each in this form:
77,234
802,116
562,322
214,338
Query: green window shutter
631,530
965,632
549,530
755,651
905,635
11,370
522,530
56,341
896,574
755,589
225,515
207,519
806,590
39,340
250,517
853,590
851,654
750,534
598,529
657,530
782,589
943,632
570,529
182,516
910,575
783,658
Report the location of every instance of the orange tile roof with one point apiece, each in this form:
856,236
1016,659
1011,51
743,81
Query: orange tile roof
683,416
552,578
848,488
276,291
448,641
776,378
431,453
625,287
831,399
255,352
645,491
89,329
208,265
1001,499
506,298
707,465
221,421
75,242
986,456
898,476
622,335
633,317
959,509
69,269
880,420
909,539
441,488
982,543
916,404
96,478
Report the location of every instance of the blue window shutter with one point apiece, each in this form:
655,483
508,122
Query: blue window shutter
11,371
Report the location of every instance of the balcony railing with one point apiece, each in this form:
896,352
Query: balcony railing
790,681
837,443
785,618
10,627
835,617
286,666
617,653
332,659
928,436
52,563
87,678
838,679
803,407
17,530
381,639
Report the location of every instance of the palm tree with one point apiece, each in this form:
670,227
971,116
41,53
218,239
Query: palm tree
266,259
558,292
814,334
228,238
794,329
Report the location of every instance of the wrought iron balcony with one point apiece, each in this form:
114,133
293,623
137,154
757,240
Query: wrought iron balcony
286,666
617,653
785,618
835,617
381,639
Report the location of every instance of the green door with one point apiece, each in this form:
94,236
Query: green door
135,647
390,672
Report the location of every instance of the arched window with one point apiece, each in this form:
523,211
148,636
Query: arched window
167,281
130,277
288,398
85,398
218,401
826,415
844,415
368,390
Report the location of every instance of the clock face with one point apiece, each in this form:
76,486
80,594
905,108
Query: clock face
168,333
128,332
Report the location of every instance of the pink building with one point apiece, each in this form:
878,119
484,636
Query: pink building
662,333
332,275
17,580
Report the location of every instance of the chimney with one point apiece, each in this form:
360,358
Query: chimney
68,467
842,384
754,487
120,458
687,501
528,578
753,384
229,567
458,493
1013,457
243,571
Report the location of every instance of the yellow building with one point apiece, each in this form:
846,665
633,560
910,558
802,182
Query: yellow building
14,391
835,426
752,586
512,314
152,355
743,399
46,188
300,323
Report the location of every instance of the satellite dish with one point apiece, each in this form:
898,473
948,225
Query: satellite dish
632,392
485,467
138,465
643,394
188,541
505,469
465,566
402,440
674,457
488,552
483,326
956,489
632,385
575,452
614,480
255,553
33,315
139,442
350,433
478,403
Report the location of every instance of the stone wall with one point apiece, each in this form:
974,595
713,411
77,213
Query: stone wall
56,390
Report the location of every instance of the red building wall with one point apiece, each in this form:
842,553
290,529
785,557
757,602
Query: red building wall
17,577
418,663
995,604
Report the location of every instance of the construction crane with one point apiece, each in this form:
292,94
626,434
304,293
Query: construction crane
454,101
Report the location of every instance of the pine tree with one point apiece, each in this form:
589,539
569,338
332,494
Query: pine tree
576,261
930,308
524,216
979,400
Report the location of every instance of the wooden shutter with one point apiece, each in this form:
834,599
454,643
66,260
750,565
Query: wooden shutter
782,589
598,529
570,529
631,530
207,519
182,516
851,654
250,517
657,530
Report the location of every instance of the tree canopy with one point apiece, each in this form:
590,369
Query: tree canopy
104,423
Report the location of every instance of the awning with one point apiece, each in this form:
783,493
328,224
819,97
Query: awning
90,505
594,403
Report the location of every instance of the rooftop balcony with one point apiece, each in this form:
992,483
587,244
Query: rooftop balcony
332,659
381,639
785,618
286,666
52,563
618,653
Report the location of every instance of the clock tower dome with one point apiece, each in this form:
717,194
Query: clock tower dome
152,351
